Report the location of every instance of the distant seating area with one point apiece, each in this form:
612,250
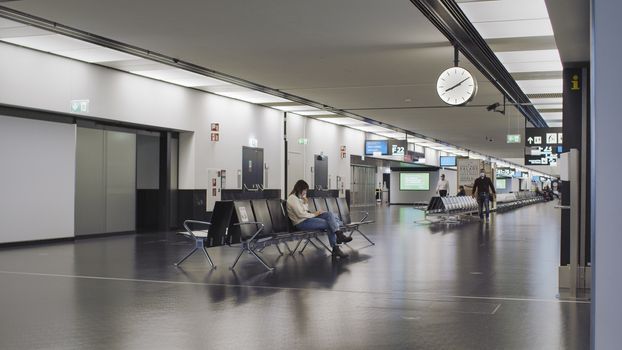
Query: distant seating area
253,225
507,201
458,209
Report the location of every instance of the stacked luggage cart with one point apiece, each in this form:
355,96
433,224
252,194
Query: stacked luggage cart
450,210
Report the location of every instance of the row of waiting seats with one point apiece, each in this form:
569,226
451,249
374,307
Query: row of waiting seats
257,224
452,205
507,201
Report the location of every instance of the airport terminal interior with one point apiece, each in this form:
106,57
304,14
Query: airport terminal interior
408,174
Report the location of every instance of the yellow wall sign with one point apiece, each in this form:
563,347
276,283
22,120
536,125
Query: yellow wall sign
575,83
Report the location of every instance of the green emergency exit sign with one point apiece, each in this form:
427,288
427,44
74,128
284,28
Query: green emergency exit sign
513,138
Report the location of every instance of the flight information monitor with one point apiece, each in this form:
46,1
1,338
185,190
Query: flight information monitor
448,160
376,146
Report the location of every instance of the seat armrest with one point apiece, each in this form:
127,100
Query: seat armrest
252,223
186,222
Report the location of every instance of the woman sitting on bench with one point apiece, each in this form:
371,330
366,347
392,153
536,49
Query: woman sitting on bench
304,220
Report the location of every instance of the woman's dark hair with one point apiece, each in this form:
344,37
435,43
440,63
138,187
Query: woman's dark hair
300,186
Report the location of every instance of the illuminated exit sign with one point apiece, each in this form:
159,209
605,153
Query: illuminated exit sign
513,138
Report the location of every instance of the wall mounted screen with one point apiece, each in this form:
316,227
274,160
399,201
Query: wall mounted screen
448,160
414,181
500,184
373,146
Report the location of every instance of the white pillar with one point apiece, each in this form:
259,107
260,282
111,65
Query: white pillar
606,166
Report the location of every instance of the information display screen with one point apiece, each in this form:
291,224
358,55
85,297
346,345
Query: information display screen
500,184
373,146
448,160
414,181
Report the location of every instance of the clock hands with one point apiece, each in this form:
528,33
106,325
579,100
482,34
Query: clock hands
455,86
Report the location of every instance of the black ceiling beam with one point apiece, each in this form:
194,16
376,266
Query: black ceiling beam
447,16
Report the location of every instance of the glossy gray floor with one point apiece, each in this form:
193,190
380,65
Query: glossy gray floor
473,286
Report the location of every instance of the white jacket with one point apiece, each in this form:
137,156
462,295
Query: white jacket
297,210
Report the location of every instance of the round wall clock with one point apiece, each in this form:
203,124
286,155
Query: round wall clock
456,86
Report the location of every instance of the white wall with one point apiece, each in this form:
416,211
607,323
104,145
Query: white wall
605,140
432,157
37,179
39,80
327,138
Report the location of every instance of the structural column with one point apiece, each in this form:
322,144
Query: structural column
606,164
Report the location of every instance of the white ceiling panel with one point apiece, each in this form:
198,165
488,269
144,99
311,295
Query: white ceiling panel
545,86
514,29
342,121
504,10
50,43
96,55
180,77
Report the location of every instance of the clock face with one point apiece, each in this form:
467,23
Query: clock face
456,86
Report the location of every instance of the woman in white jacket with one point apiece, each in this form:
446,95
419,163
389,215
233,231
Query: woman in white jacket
304,220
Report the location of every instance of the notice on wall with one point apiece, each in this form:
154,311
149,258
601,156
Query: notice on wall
468,171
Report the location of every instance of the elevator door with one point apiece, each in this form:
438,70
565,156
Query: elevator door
363,185
252,167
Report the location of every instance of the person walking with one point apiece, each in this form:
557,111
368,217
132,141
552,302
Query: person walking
483,191
442,187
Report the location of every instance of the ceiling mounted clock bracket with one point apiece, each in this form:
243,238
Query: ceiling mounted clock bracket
449,19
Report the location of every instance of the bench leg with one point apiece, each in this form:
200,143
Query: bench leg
279,249
238,258
288,248
325,246
304,246
209,258
261,260
296,247
186,257
367,238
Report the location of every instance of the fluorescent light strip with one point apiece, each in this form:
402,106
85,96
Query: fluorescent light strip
310,113
549,106
504,10
181,77
371,128
295,108
528,56
50,43
541,86
515,29
343,121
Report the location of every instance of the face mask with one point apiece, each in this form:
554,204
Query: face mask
482,175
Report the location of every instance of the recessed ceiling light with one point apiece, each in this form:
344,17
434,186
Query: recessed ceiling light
293,108
504,10
527,56
309,113
96,55
551,115
541,86
393,135
549,106
50,43
515,29
180,77
547,100
252,96
371,128
343,121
